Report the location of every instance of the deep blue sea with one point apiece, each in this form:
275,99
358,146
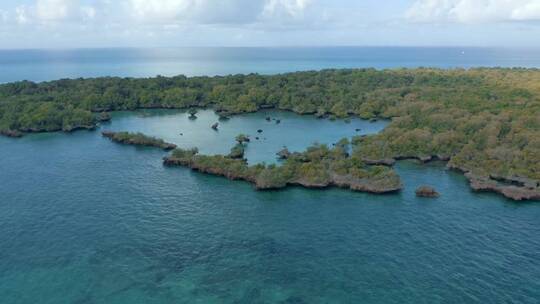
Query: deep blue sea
85,220
42,65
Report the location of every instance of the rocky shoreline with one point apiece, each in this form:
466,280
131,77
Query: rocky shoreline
11,133
514,188
289,174
340,181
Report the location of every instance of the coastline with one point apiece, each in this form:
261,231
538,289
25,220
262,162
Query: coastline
340,181
483,122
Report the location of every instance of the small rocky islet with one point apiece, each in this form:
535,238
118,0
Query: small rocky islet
426,191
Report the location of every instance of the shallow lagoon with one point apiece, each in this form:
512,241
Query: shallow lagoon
293,131
84,220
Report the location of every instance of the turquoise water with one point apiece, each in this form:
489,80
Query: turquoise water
40,65
294,132
85,220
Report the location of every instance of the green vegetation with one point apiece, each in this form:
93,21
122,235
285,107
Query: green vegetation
484,121
317,167
138,139
242,138
237,151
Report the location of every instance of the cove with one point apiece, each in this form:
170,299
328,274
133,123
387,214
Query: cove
294,131
84,220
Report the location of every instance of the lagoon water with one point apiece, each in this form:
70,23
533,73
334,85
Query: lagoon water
85,220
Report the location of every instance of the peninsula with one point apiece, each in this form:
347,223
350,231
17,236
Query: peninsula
138,139
317,167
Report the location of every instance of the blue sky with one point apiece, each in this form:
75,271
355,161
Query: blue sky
169,23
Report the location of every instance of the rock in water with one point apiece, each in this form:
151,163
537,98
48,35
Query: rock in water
268,118
192,113
237,152
11,133
284,154
426,191
104,116
215,126
259,131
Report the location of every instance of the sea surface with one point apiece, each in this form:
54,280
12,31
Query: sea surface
43,65
86,220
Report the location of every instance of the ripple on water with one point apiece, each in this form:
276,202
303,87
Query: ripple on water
84,220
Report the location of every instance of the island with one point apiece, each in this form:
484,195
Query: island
426,191
484,122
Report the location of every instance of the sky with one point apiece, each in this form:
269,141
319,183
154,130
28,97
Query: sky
174,23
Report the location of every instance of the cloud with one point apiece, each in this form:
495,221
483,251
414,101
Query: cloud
4,16
55,9
530,11
159,12
22,15
215,12
288,8
52,11
473,11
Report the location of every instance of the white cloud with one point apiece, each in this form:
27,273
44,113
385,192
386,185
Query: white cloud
160,12
211,11
290,8
527,12
22,14
52,11
473,11
164,9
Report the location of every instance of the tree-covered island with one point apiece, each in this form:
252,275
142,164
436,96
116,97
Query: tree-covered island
484,122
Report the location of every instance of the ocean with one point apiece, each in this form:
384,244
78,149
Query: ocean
44,65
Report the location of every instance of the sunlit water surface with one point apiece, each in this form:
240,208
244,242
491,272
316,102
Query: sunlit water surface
42,65
85,220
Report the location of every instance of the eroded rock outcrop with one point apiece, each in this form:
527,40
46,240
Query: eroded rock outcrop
518,191
284,153
426,191
11,133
